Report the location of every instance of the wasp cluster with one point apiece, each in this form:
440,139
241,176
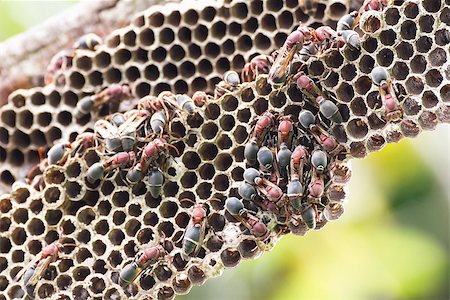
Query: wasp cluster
181,47
218,203
112,219
397,83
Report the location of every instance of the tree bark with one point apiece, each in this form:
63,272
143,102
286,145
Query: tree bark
23,58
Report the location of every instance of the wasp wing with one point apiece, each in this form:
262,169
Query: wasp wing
20,274
40,268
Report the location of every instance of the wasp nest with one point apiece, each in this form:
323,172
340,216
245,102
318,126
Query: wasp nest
168,194
182,47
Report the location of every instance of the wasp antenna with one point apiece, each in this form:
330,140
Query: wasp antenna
389,122
213,199
75,150
163,235
158,237
166,110
170,259
188,200
178,240
60,233
150,135
343,153
71,245
263,248
41,153
287,215
296,220
407,123
316,211
173,147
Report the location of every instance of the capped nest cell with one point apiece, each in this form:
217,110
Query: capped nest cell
183,187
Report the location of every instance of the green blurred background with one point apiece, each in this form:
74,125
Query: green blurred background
392,242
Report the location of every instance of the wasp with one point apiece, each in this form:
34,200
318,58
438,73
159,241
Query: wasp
308,6
326,140
150,153
112,94
144,260
393,110
229,83
63,60
256,227
258,65
299,159
35,270
377,5
281,67
123,137
120,159
194,233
